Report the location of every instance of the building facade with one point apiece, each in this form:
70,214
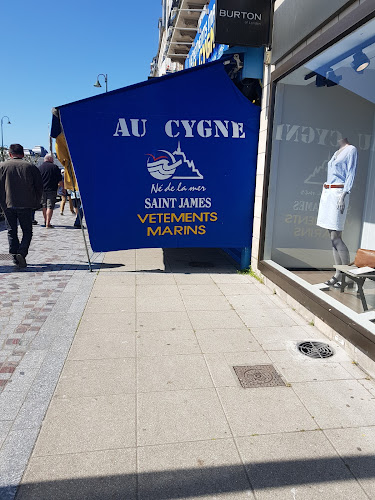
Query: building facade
178,27
318,89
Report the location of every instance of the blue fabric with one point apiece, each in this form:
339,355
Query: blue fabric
342,168
147,178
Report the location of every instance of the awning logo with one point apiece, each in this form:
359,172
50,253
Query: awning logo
165,165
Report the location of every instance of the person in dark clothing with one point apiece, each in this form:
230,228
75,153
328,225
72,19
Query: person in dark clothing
51,176
21,188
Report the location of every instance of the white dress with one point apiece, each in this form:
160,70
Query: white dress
341,170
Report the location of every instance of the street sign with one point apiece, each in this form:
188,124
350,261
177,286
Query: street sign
243,22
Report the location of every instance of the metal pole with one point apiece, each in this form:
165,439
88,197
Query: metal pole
70,170
106,82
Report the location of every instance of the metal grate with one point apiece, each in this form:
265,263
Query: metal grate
258,376
316,350
201,264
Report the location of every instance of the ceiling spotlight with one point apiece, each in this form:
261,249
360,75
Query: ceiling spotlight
360,62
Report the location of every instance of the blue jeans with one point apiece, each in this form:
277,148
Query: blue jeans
24,217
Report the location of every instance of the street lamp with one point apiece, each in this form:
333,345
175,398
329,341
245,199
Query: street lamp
97,83
2,136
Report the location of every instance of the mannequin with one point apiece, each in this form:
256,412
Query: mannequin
334,202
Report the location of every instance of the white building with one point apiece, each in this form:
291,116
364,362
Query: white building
177,29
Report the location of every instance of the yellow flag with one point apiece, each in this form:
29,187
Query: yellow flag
63,155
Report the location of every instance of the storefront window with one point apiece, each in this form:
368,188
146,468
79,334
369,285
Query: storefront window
323,133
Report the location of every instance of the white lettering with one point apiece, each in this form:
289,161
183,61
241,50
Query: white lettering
135,127
188,126
121,128
204,131
238,132
168,128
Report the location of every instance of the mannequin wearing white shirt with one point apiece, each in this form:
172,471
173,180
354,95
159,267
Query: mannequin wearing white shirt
341,172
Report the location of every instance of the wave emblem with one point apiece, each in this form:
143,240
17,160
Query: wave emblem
164,165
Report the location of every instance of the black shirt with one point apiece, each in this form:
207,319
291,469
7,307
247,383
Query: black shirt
51,176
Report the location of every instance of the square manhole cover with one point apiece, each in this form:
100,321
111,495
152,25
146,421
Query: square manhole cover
258,376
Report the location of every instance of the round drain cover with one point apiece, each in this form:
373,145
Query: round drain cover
315,349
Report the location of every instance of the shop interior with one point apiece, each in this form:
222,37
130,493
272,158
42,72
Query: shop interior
322,108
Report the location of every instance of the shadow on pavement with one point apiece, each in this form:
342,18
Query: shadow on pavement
47,268
188,483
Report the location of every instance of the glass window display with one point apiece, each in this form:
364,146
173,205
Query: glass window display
321,199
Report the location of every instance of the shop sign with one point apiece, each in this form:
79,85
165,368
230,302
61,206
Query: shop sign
204,48
166,177
243,22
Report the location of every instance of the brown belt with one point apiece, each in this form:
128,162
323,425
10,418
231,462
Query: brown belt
327,186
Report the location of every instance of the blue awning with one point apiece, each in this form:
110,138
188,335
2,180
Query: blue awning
169,162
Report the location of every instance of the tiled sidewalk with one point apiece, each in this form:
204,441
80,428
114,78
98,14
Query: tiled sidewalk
148,405
40,310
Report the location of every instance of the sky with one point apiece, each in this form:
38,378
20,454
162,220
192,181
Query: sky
52,52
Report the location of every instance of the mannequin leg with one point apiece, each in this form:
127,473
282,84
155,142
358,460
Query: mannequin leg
340,251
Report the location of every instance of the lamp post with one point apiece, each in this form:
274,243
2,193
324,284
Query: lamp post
2,136
97,83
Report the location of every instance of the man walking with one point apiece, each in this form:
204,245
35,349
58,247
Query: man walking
51,176
21,188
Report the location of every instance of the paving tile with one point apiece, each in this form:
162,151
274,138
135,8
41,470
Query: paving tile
232,278
230,289
193,279
102,346
206,290
120,279
75,425
110,290
109,305
343,403
163,321
356,447
264,410
203,303
159,303
97,377
170,373
295,369
161,343
115,323
278,335
206,320
4,429
205,469
150,291
98,475
250,302
155,279
14,456
10,403
180,416
263,318
221,365
296,465
227,340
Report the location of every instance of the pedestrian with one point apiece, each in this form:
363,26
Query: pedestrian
76,199
21,188
65,196
52,179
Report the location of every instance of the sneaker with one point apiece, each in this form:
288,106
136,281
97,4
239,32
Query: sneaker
15,261
50,226
21,260
35,222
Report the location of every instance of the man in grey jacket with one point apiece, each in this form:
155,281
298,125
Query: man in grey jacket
21,188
